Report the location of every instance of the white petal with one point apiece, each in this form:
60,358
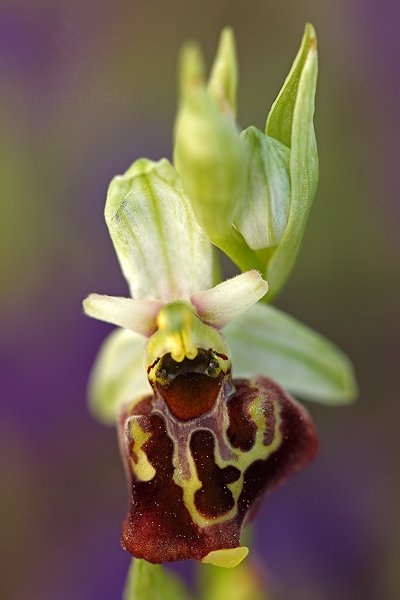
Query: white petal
118,376
136,315
163,252
229,298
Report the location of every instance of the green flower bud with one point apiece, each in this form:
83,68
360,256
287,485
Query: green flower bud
290,121
264,208
251,193
209,154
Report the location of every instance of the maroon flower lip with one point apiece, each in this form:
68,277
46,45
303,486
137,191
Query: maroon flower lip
201,453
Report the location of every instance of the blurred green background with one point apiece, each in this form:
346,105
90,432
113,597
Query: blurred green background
87,87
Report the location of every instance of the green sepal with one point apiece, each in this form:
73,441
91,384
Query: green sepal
268,341
162,250
290,121
118,375
147,581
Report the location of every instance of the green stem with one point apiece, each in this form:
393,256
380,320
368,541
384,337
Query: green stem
147,581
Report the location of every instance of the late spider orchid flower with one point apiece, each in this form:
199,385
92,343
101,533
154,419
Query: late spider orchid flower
200,448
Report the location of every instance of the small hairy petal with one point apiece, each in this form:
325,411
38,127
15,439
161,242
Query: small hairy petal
193,483
137,315
228,299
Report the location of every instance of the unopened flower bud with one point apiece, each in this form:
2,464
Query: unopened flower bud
264,208
209,153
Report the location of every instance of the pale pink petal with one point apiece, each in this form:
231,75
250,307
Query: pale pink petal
136,315
230,298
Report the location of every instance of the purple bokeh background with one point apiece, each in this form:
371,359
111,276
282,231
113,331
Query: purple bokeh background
73,114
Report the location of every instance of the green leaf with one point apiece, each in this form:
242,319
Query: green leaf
162,250
147,581
291,123
266,341
264,207
118,375
223,82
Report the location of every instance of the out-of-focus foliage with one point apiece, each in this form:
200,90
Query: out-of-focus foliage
152,582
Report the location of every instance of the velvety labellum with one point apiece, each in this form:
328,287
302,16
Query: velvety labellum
200,453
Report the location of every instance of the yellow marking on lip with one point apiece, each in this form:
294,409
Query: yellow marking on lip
190,482
258,452
227,557
242,462
141,467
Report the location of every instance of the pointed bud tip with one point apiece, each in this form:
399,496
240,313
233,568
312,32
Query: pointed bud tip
227,39
191,66
223,81
309,32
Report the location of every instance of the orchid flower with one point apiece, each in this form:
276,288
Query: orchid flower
200,447
195,378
